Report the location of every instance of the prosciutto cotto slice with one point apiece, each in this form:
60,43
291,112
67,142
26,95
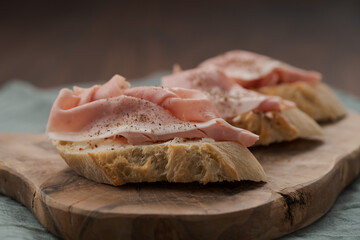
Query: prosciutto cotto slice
138,115
229,97
252,70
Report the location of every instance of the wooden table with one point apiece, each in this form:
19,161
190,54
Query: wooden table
54,43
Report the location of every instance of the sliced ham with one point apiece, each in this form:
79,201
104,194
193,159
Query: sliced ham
185,104
140,115
229,98
252,70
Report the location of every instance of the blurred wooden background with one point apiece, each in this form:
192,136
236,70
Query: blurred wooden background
55,42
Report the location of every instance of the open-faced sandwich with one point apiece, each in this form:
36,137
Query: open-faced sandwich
273,118
115,134
273,77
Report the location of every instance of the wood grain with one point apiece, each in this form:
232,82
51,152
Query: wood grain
49,43
304,179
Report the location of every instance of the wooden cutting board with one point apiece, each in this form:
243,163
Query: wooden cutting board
304,179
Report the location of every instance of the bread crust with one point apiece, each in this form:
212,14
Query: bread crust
174,161
316,100
278,126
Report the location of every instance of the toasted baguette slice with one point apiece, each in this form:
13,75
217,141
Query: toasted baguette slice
174,161
285,125
316,100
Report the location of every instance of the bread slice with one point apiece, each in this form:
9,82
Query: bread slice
106,161
285,125
316,100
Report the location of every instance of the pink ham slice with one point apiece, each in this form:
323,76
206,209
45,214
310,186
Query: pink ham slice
252,70
185,104
229,98
140,115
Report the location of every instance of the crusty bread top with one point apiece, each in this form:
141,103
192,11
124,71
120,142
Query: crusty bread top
278,126
316,100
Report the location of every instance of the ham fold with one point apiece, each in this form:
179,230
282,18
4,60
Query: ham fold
252,70
229,97
138,115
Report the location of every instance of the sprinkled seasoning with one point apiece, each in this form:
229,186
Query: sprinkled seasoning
141,117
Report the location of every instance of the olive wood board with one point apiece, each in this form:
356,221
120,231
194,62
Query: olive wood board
304,179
